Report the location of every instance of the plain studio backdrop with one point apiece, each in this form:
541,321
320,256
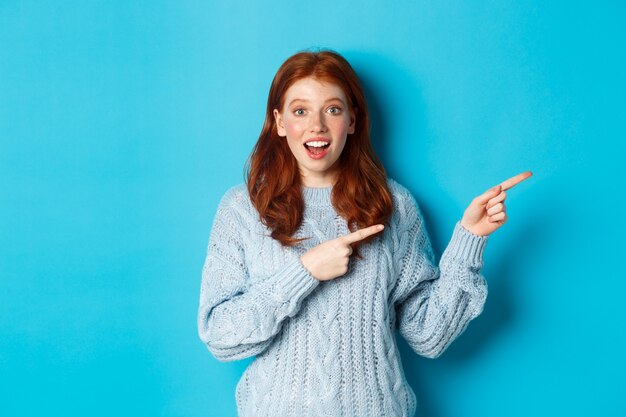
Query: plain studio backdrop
123,123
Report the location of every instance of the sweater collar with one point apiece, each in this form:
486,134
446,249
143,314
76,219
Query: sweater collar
314,196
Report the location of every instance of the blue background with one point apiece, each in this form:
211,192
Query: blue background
121,125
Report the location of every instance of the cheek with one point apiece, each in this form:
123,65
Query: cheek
292,131
293,128
342,126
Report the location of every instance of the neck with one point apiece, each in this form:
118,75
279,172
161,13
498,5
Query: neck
319,180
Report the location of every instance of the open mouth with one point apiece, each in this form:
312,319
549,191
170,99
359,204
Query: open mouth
317,147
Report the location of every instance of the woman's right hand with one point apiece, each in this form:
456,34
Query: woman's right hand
329,260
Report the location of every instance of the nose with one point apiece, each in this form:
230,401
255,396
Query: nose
318,124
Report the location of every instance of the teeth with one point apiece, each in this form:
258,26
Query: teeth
317,144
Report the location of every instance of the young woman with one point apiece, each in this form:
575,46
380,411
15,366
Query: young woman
319,257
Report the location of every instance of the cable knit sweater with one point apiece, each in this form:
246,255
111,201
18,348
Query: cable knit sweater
329,348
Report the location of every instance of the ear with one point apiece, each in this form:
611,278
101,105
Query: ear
280,126
352,126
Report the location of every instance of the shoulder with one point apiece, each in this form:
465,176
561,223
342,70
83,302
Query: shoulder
235,196
402,198
235,204
407,221
397,190
406,212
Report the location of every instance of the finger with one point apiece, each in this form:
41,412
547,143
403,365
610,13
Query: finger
362,234
495,209
511,182
498,218
497,199
488,195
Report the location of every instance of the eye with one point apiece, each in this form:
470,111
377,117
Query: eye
334,110
298,112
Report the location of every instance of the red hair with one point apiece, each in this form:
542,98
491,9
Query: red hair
360,195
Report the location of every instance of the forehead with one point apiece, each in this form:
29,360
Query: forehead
312,89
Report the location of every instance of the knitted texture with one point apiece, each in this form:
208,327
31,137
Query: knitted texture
329,348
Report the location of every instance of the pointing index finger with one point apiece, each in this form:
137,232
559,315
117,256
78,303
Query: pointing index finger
362,233
513,181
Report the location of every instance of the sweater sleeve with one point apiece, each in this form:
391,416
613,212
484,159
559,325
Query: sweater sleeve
434,304
238,316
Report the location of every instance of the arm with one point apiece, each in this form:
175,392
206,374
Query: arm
435,304
237,318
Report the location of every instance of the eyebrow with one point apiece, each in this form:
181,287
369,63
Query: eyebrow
303,99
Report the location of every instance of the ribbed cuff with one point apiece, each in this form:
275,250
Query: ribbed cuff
466,245
293,282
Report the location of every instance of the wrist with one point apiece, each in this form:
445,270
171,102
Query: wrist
465,245
470,229
304,260
466,226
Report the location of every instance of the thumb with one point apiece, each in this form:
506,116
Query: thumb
488,195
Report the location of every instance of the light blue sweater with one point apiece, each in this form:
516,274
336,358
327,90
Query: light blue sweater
329,348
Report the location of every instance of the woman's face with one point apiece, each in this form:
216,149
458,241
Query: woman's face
315,120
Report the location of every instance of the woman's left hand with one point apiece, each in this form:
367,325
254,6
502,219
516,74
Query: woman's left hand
486,213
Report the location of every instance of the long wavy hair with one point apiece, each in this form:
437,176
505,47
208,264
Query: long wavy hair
360,194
